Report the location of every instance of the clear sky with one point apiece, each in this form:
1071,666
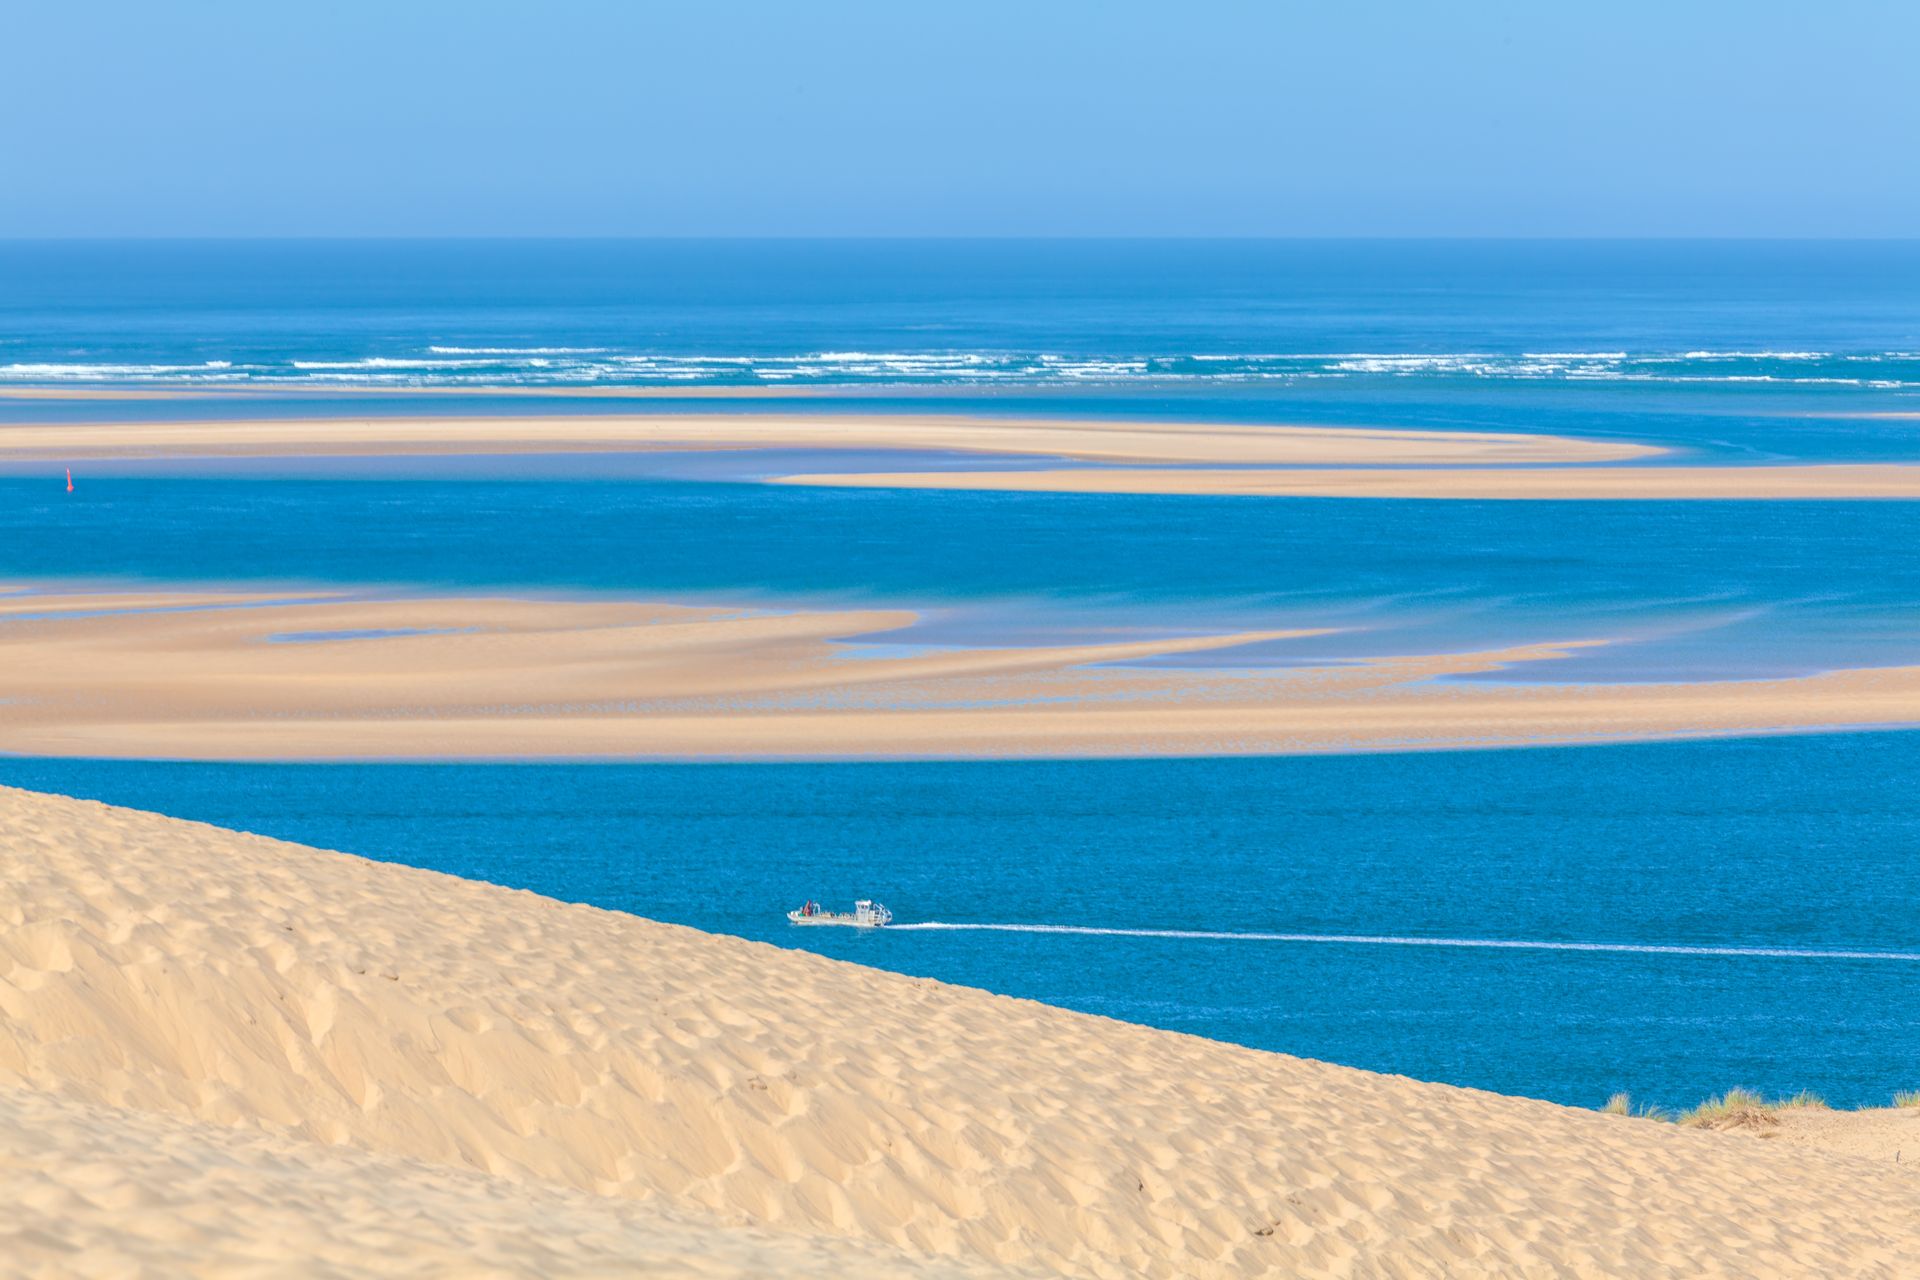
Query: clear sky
912,117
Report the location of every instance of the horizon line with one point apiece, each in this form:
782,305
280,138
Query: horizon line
980,238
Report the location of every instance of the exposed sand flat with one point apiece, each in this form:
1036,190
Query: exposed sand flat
1092,441
151,965
489,677
1868,480
109,1192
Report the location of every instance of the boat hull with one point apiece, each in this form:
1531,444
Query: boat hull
823,918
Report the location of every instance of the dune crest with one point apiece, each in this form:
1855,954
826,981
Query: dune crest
191,974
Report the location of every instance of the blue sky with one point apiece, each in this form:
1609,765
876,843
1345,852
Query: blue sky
1313,117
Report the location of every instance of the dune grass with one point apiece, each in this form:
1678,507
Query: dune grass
1805,1099
1738,1108
1621,1104
1745,1109
1734,1109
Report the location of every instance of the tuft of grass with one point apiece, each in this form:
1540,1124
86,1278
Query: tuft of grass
1907,1098
1622,1105
1806,1100
1734,1109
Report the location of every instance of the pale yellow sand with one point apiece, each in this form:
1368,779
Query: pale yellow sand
1096,441
1858,480
1887,1134
103,1191
196,975
199,678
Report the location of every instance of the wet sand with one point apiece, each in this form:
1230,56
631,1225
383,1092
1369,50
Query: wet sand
494,677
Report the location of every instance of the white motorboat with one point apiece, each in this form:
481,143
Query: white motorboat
866,914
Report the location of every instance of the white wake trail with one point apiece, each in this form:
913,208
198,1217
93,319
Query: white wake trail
1388,940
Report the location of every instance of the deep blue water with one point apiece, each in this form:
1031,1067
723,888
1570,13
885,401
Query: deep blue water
1794,843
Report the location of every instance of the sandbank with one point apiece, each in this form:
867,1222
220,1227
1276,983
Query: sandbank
486,677
1089,441
1124,457
190,1012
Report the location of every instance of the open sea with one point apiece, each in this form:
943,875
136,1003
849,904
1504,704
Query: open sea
1670,919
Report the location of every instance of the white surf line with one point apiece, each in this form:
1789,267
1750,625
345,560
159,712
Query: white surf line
1388,940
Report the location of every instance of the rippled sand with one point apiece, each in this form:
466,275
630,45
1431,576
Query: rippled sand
217,1046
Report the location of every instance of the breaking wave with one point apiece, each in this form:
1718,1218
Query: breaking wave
559,365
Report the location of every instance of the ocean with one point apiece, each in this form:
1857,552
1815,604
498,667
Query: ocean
1679,862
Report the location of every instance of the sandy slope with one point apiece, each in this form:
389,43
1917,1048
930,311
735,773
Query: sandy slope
108,1191
156,675
1887,1134
163,967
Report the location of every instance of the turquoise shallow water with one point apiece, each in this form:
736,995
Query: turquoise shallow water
1727,353
1790,844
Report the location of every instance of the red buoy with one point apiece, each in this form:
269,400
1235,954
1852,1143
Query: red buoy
69,479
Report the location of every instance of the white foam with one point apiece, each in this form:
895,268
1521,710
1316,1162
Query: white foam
515,351
386,362
1390,940
78,372
1749,355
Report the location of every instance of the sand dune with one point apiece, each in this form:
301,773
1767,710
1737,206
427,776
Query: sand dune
1092,441
109,1192
1594,483
184,1008
202,676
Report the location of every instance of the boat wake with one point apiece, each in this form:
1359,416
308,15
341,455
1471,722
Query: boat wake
1388,940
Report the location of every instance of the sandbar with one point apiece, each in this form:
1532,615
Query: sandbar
500,677
1089,441
1114,457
